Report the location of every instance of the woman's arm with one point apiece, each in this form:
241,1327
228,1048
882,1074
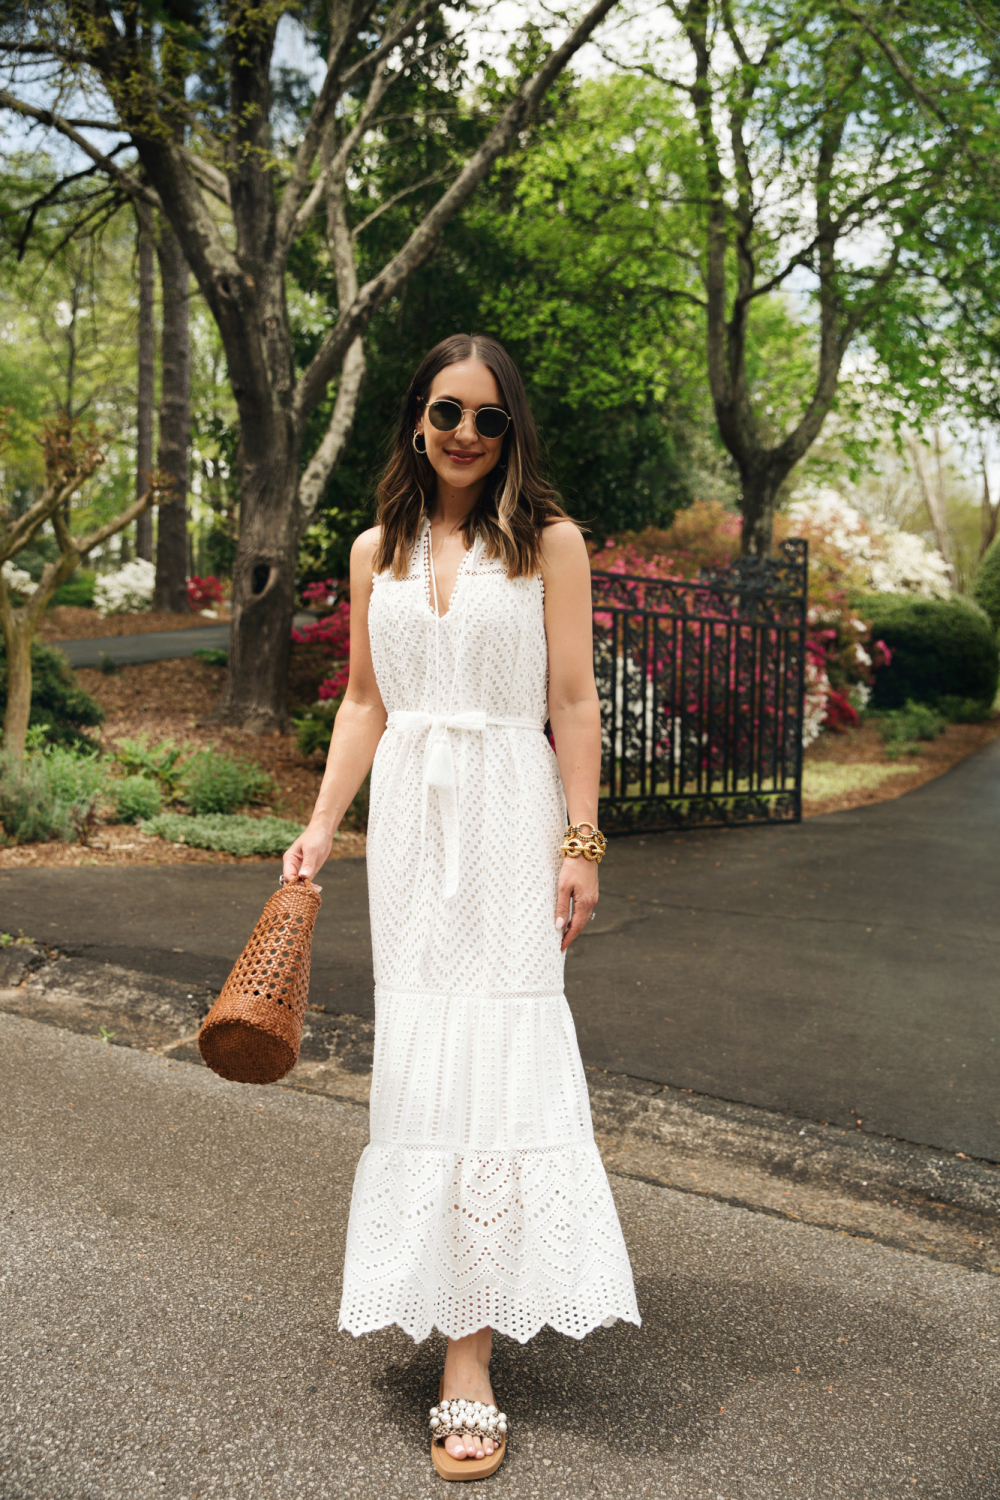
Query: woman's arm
357,729
574,711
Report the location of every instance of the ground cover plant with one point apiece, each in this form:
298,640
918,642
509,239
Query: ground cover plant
228,833
823,778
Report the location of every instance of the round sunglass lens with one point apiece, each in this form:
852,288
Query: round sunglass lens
491,422
444,415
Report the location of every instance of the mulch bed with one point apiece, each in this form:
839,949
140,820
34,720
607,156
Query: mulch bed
68,623
167,700
864,746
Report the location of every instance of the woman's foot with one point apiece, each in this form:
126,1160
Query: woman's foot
467,1373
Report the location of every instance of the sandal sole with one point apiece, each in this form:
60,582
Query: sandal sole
464,1469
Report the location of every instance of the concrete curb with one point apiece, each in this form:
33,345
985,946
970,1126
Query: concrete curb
915,1198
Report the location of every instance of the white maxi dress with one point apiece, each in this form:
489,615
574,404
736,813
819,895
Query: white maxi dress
481,1199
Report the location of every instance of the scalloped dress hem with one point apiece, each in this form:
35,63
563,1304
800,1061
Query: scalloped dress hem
419,1332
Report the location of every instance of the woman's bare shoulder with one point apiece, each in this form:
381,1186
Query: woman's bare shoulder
364,546
561,544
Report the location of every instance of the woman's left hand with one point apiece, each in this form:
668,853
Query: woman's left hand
577,881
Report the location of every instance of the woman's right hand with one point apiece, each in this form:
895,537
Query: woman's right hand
309,853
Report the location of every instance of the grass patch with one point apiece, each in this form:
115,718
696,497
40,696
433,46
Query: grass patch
834,778
229,833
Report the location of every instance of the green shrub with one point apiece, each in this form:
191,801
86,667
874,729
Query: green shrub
135,797
212,656
160,763
213,782
315,728
52,794
77,591
57,700
230,834
76,776
29,810
942,649
964,710
901,728
986,589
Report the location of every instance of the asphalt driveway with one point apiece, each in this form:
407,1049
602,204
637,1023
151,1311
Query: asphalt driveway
845,969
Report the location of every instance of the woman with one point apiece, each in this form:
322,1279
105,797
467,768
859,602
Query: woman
481,1201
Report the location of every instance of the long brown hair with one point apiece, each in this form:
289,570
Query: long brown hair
515,504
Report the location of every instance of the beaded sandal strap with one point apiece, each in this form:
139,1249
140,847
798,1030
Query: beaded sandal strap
472,1418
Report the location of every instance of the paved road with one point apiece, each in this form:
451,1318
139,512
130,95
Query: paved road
158,645
171,1264
843,969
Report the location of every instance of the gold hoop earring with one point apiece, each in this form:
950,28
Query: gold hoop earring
419,435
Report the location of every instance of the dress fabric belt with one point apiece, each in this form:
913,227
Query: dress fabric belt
439,770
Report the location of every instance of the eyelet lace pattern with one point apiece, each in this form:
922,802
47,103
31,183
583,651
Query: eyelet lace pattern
482,1199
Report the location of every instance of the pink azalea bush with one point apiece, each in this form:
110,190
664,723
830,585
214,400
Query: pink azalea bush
204,593
841,657
706,535
332,632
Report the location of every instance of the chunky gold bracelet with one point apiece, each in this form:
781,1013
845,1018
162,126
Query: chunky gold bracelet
592,845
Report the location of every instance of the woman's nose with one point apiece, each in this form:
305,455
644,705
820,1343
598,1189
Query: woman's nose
467,427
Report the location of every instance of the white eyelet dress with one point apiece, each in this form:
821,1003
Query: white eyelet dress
481,1199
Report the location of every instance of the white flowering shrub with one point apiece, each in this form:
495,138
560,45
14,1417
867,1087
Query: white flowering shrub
883,560
817,693
16,579
909,566
127,591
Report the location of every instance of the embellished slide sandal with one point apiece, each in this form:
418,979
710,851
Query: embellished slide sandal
461,1416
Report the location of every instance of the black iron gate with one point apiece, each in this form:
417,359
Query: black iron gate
702,686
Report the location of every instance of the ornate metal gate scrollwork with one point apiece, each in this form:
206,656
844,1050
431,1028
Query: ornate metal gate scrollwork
702,685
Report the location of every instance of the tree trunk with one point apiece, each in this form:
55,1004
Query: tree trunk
147,375
759,492
264,571
934,500
175,425
18,647
989,515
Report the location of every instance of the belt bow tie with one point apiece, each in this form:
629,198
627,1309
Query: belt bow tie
439,770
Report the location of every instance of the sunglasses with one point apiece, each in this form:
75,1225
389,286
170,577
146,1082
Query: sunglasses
446,415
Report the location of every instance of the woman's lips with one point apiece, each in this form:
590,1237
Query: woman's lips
462,458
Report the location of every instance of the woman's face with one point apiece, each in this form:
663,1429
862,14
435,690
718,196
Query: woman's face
462,458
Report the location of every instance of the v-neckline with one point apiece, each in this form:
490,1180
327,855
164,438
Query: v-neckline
431,582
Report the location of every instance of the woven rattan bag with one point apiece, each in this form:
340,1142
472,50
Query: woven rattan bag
253,1031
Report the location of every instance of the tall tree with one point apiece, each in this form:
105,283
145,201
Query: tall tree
175,425
232,157
146,257
817,164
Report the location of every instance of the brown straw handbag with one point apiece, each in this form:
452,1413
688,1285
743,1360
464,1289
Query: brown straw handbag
253,1031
